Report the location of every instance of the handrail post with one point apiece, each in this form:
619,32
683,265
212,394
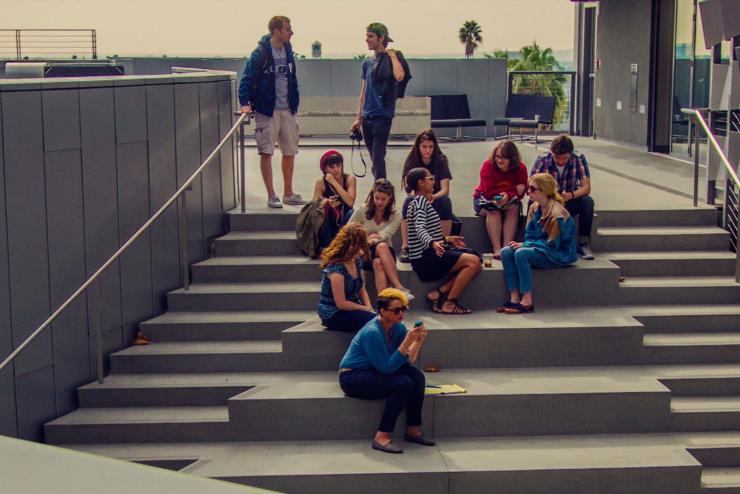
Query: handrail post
184,241
243,167
737,237
696,162
97,320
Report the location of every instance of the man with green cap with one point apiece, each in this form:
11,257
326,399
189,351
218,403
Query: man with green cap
384,78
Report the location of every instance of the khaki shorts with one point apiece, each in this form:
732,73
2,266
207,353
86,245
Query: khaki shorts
280,129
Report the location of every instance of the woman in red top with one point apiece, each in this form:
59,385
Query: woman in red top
503,181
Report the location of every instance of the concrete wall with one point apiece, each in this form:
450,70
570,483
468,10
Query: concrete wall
84,163
623,38
483,80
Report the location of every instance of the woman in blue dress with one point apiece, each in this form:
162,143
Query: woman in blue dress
549,242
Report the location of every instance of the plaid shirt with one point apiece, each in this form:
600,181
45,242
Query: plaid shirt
575,170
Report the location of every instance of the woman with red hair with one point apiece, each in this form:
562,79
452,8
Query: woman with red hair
338,191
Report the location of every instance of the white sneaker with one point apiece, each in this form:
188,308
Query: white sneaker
294,200
274,202
585,253
409,295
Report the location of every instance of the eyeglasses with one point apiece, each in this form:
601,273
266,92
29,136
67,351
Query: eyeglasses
532,188
398,310
430,177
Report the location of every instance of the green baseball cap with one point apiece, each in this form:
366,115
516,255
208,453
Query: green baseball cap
379,30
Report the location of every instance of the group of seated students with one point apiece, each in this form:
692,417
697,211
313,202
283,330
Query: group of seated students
377,363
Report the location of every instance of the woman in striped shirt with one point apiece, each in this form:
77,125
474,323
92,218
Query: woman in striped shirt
430,259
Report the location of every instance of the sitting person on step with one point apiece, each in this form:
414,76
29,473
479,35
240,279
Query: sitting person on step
549,242
338,191
344,304
570,169
380,219
430,258
425,153
377,365
503,182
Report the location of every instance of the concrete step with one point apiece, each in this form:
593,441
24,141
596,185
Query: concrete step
688,290
145,425
487,339
256,268
722,380
261,243
720,480
534,465
703,216
712,319
692,348
265,296
200,326
143,390
253,221
597,283
715,449
673,263
309,406
199,356
711,413
656,238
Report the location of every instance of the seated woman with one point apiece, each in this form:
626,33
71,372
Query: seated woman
380,219
343,301
425,153
430,259
338,191
376,366
549,242
503,181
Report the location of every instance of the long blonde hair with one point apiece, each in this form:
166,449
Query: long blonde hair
350,240
549,219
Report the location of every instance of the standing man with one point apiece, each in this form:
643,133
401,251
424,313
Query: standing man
381,75
570,170
269,87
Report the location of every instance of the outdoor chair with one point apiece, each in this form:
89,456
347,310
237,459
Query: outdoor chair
526,111
452,111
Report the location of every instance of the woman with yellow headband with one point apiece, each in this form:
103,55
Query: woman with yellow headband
377,365
549,242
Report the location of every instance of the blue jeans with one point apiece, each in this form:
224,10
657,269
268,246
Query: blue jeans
403,389
348,321
518,266
376,130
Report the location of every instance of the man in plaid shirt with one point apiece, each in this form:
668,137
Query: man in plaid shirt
570,171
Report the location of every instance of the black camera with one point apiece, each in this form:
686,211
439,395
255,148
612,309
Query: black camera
356,135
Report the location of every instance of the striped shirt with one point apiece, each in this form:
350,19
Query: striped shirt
424,226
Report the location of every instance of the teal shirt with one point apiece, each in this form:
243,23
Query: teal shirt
562,249
371,350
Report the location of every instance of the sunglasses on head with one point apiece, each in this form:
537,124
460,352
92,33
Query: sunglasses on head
398,310
532,188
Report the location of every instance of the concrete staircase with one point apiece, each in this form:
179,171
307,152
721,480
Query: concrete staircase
609,387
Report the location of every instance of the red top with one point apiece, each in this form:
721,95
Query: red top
493,181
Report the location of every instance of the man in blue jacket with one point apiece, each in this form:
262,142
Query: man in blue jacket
269,87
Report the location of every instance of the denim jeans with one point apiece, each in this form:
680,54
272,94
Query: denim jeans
403,389
332,225
518,266
348,321
376,130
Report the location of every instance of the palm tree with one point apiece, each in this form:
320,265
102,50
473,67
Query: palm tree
470,36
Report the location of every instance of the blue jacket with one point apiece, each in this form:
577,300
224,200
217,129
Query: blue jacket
561,250
257,85
370,350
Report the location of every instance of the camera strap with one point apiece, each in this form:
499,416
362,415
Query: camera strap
352,158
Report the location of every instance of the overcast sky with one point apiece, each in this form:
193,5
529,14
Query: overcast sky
231,27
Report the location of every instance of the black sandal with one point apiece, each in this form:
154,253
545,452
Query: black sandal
457,309
437,302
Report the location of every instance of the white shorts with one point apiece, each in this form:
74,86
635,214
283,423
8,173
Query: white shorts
280,129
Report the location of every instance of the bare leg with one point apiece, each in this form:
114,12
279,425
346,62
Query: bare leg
381,280
287,165
527,299
382,438
266,169
468,267
511,218
446,226
383,253
493,227
515,296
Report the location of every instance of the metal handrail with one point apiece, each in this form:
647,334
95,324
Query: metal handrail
731,173
242,119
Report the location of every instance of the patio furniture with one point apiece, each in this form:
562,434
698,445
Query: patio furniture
452,111
526,111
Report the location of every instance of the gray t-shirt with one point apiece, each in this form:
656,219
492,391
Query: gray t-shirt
281,78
